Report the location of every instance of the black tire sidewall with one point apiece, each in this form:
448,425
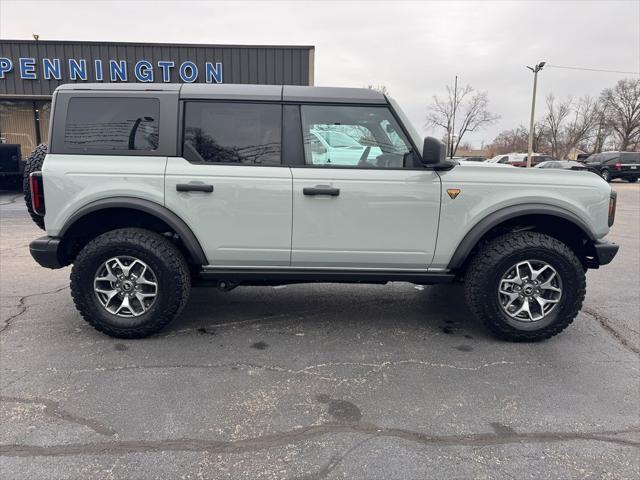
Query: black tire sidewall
33,163
606,175
566,271
88,267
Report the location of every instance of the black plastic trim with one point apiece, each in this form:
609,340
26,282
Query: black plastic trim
605,251
487,223
176,223
46,251
334,276
194,187
333,192
292,141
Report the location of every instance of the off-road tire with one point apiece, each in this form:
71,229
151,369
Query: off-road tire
606,175
33,164
495,257
159,253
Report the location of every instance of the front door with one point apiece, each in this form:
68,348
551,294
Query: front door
372,206
230,186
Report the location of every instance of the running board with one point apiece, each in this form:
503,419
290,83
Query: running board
275,276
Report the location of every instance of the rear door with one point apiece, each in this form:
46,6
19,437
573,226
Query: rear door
230,186
372,207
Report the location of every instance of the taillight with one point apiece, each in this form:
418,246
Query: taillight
37,192
618,166
612,207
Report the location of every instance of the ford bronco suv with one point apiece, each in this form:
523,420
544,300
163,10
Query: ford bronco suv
148,189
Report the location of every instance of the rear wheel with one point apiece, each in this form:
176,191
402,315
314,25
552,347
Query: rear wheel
525,286
606,175
632,180
130,283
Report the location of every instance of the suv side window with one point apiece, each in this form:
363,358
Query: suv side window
355,136
112,123
232,133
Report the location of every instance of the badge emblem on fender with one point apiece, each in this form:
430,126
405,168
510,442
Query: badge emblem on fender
453,192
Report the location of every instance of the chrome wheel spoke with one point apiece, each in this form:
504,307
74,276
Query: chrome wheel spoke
125,286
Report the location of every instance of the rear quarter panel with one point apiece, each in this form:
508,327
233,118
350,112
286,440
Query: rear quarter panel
73,181
486,189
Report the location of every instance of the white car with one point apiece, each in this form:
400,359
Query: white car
334,147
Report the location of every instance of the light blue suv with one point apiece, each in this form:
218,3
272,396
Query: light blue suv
147,189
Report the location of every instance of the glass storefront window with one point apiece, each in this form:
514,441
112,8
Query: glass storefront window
18,123
44,112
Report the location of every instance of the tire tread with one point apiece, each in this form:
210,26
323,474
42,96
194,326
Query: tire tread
488,257
164,249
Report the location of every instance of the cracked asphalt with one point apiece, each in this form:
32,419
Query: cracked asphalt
317,381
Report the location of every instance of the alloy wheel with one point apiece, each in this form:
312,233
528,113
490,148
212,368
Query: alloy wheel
125,286
529,290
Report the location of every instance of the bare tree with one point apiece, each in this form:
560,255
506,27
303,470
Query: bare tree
468,107
602,137
623,105
569,123
507,141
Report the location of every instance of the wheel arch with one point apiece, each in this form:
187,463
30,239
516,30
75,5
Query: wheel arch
140,210
541,217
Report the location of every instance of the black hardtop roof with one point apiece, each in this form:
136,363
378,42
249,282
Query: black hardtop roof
227,91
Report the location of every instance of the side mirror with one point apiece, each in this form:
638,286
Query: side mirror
433,152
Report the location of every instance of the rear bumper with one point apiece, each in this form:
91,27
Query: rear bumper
47,252
604,252
625,174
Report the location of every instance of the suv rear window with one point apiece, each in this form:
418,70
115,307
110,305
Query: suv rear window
110,123
630,158
235,133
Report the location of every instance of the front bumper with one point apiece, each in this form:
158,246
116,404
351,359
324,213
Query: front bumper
603,253
47,252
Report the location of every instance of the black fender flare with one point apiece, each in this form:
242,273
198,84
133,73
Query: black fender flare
190,241
474,235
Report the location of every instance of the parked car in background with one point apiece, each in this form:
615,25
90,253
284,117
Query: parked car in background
581,157
565,164
520,159
471,159
610,165
334,147
11,166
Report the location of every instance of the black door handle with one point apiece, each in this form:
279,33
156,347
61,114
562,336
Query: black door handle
194,187
334,192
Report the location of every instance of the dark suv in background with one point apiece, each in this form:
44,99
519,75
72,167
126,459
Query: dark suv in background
610,165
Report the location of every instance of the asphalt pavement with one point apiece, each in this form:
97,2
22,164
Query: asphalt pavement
319,381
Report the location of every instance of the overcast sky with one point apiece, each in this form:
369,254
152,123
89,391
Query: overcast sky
414,48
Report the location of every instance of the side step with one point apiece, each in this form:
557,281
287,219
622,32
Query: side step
281,276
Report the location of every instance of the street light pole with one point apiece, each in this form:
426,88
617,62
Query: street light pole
535,71
455,107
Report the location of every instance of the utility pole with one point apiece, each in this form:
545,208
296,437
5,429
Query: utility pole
535,71
455,107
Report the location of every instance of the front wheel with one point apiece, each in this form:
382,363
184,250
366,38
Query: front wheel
606,175
130,282
525,286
